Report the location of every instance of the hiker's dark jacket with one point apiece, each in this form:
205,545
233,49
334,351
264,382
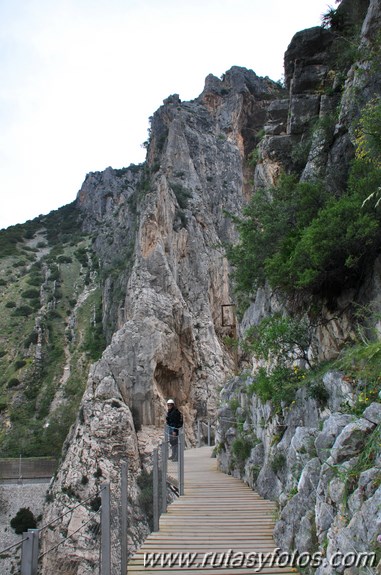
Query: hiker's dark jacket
175,418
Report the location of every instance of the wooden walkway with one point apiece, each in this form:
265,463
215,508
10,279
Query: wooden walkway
219,526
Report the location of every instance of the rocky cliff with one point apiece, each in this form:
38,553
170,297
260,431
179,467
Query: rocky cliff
316,453
159,231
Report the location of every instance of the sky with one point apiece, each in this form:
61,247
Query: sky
80,78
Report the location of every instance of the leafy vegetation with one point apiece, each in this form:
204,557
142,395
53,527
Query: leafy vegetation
279,336
23,520
61,225
182,195
301,239
145,483
361,365
276,342
43,341
366,460
241,448
278,462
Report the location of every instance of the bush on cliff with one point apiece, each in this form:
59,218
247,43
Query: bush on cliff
298,237
23,520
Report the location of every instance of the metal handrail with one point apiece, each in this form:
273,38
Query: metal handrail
210,426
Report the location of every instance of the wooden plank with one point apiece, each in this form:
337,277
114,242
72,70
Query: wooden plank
218,513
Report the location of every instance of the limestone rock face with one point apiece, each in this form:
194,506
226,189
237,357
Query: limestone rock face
102,438
306,56
321,465
159,230
351,440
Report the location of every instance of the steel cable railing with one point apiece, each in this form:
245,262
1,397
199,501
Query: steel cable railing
160,486
31,557
206,432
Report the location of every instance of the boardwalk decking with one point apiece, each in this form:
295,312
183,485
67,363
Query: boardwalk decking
219,523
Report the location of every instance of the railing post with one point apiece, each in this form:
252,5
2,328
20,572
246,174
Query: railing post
26,554
209,432
124,517
155,480
105,530
181,443
19,481
198,433
35,546
164,459
29,552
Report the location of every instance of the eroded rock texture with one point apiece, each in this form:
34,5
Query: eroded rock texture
159,231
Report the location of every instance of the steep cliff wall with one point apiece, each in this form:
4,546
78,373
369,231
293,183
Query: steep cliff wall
159,231
318,455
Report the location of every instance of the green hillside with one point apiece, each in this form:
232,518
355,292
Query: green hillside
50,330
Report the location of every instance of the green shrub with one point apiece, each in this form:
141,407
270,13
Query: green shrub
95,504
13,382
361,363
318,391
20,363
145,498
10,304
54,273
81,255
234,404
277,340
23,520
9,238
253,158
279,336
32,339
182,195
278,462
64,260
278,385
35,280
297,237
270,229
98,473
369,453
241,448
94,339
300,238
31,294
22,311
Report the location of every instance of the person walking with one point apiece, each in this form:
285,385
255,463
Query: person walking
174,423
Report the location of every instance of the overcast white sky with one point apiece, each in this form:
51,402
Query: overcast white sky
80,78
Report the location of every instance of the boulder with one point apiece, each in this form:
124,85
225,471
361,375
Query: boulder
332,427
307,47
373,413
351,440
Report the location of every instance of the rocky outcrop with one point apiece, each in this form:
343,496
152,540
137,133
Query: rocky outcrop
159,234
315,456
12,499
102,438
307,458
